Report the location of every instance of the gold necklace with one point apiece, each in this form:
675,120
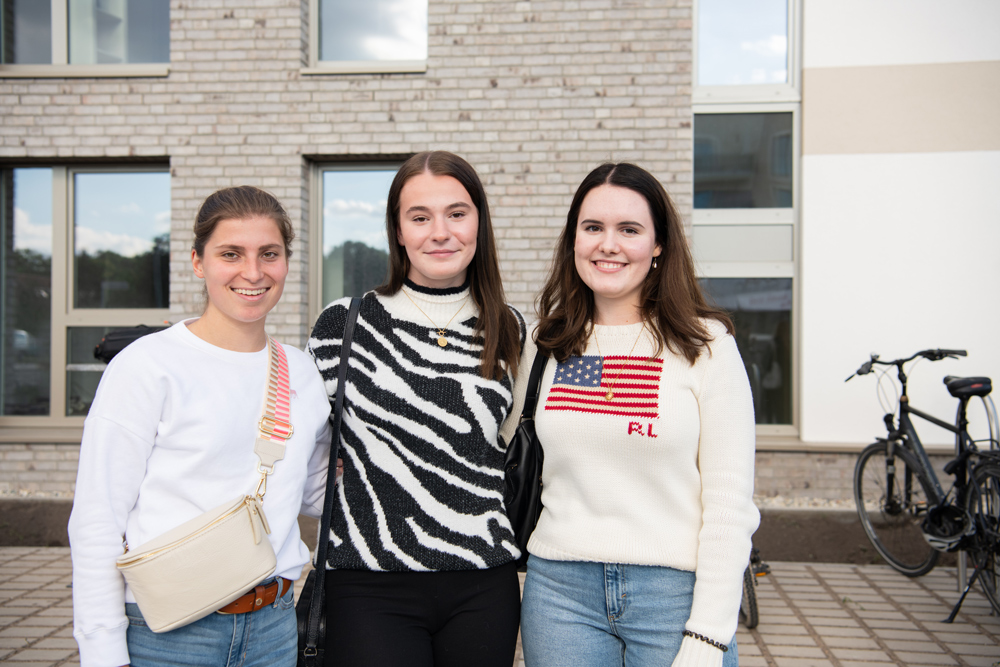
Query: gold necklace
442,341
610,396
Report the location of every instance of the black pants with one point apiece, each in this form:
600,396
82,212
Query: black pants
422,619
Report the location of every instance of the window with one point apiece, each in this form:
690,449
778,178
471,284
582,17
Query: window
84,251
746,110
84,37
372,36
353,252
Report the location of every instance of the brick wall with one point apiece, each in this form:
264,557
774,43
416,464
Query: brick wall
534,94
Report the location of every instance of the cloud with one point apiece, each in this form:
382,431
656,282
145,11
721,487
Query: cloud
93,241
29,236
775,46
353,208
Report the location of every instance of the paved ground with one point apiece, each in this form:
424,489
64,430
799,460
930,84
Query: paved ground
812,615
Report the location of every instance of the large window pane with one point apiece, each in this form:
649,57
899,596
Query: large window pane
355,249
761,309
119,31
26,31
743,160
26,296
742,42
121,240
373,30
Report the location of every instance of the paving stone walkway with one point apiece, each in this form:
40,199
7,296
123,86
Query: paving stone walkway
811,615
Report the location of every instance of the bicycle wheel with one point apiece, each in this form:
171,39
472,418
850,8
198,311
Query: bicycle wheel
748,605
891,512
983,501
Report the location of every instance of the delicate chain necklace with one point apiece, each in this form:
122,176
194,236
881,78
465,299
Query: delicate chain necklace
610,396
442,341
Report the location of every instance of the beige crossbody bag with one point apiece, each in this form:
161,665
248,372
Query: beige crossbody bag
204,564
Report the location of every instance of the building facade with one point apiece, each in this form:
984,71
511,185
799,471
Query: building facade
816,160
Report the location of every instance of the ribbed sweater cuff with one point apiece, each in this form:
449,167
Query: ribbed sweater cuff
696,653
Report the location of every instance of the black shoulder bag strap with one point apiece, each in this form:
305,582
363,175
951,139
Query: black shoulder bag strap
316,608
534,380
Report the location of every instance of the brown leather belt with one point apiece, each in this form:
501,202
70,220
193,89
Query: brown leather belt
258,598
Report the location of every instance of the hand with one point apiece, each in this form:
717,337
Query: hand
340,470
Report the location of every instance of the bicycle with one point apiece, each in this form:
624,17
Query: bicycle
748,605
907,515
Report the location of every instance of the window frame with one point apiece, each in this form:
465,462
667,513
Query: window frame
768,98
317,66
790,91
57,426
60,66
316,171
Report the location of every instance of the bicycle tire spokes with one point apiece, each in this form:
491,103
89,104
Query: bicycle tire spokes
891,495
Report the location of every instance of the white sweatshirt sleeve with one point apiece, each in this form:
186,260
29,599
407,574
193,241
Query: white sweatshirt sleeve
112,466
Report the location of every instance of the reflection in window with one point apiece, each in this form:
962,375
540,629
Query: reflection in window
742,42
26,32
83,371
26,298
119,31
121,239
355,249
372,30
743,160
761,309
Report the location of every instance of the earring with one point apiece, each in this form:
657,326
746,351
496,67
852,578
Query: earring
654,262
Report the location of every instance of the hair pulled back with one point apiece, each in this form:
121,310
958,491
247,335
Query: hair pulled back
240,203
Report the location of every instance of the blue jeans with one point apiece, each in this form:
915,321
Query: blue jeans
579,614
263,638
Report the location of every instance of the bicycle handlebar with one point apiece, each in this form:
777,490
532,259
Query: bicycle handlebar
933,355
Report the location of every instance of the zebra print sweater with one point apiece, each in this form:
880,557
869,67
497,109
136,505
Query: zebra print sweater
423,471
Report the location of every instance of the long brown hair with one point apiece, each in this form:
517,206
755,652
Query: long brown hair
497,325
671,300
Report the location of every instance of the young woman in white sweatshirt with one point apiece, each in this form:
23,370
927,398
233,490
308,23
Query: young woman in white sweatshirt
171,435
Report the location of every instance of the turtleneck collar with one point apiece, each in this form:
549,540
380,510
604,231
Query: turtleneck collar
432,291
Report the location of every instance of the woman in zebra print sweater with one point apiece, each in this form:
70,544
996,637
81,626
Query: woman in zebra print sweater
422,555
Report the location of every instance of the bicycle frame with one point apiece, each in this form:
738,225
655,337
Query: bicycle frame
907,434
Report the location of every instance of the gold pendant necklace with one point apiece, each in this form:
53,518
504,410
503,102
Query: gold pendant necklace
441,340
610,396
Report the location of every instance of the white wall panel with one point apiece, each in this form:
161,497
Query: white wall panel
850,33
899,253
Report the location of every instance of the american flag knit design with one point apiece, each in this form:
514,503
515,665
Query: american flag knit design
423,472
581,384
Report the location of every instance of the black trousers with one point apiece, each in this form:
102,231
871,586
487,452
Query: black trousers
422,619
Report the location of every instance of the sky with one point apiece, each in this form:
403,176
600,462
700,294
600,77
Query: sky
354,207
121,212
373,30
742,42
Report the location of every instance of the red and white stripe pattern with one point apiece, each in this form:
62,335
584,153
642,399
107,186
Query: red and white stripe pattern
581,384
277,410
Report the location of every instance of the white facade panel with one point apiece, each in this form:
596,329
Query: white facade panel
852,33
899,253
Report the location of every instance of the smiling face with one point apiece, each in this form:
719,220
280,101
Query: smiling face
614,247
438,225
244,266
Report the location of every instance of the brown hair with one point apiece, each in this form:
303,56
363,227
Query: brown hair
240,203
497,325
671,300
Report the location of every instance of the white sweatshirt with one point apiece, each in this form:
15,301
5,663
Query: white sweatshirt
169,436
660,475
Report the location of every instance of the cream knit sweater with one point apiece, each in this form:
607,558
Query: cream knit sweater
660,475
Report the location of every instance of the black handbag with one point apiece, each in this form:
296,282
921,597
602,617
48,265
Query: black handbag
522,467
309,610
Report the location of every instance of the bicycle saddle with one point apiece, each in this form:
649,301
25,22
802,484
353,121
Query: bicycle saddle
967,387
